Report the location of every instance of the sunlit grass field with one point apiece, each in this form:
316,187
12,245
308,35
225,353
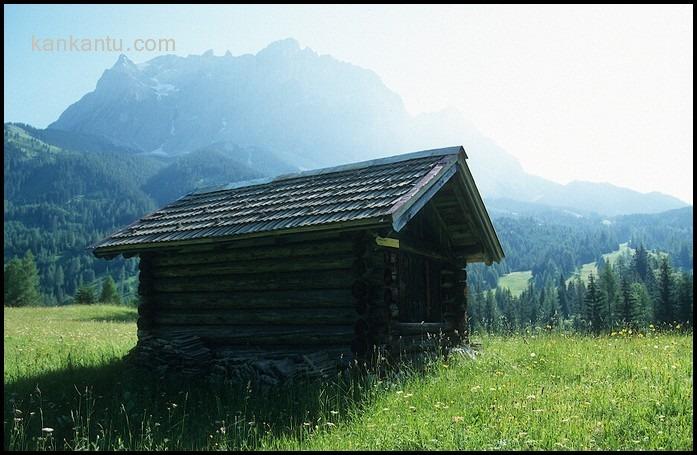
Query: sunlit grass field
516,282
41,340
66,388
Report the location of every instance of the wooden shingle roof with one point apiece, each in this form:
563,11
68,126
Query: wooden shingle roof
378,192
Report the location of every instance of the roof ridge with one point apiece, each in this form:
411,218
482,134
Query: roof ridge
445,151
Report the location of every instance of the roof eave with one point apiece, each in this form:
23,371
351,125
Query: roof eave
492,245
410,204
137,248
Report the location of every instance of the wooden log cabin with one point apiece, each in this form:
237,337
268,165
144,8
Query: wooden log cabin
345,260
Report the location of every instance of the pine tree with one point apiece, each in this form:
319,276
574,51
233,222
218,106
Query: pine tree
109,294
641,263
563,298
21,281
85,296
122,280
549,306
505,301
571,297
608,286
533,305
628,310
643,310
580,296
685,298
684,258
474,306
666,292
594,304
60,276
14,288
490,313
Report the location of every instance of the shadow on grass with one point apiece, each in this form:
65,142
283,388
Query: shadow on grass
116,406
122,316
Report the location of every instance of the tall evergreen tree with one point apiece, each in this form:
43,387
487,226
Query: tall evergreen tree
474,307
85,296
109,293
563,298
580,297
643,312
666,294
490,313
594,305
505,301
641,262
684,257
533,305
628,310
21,282
608,286
686,298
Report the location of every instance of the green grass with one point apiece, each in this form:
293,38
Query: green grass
516,282
541,391
591,267
41,340
28,144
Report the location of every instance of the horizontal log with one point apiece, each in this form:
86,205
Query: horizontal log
318,248
340,229
413,328
421,248
258,317
329,262
256,336
334,279
416,344
282,352
325,298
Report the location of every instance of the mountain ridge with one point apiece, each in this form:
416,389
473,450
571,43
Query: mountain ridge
311,111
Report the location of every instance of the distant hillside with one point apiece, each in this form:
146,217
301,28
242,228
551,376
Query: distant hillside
60,197
216,164
544,244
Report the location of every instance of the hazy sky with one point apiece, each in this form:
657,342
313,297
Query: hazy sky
598,93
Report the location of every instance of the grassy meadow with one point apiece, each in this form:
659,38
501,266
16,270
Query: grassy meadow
516,282
591,267
66,387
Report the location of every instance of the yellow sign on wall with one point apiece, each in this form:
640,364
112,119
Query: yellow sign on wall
386,241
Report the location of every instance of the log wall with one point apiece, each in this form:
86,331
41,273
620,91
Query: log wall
303,295
342,294
428,289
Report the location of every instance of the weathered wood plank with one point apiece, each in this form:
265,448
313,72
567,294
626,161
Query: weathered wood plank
281,352
313,231
422,248
333,279
320,248
256,336
413,328
329,262
258,317
324,298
